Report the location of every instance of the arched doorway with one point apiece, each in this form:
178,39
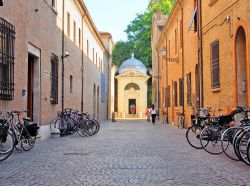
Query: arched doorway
94,102
241,66
131,92
98,98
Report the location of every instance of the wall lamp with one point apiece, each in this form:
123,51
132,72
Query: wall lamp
66,54
170,60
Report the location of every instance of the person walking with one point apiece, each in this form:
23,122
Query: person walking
153,113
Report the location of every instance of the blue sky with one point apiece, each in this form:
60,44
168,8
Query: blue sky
114,15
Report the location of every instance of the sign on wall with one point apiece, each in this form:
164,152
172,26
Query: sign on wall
103,88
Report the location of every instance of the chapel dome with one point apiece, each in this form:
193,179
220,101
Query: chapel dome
132,64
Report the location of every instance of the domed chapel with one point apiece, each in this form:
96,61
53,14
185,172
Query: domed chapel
132,89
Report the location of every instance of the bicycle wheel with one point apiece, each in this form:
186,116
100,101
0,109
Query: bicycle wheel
54,126
236,141
242,147
227,143
248,150
193,136
210,139
28,144
7,144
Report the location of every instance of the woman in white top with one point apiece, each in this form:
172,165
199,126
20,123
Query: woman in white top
153,113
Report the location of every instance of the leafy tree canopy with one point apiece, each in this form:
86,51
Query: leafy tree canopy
139,35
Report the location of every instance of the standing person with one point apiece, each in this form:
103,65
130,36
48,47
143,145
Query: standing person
164,113
153,113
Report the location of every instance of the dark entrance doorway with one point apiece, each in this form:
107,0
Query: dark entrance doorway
30,95
132,106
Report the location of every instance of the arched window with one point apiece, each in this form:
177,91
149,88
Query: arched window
132,85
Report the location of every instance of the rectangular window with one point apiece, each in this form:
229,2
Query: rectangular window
53,3
175,94
74,38
168,96
79,38
54,80
68,24
181,92
189,102
96,59
215,67
175,47
7,46
71,84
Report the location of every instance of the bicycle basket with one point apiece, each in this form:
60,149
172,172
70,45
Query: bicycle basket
32,129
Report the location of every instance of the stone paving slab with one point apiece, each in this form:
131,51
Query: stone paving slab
122,153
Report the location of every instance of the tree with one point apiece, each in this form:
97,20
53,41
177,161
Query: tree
139,35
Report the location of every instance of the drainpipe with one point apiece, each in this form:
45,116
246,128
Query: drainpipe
63,58
158,77
183,67
200,54
166,46
82,69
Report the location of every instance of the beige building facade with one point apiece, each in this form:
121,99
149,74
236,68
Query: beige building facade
59,60
132,89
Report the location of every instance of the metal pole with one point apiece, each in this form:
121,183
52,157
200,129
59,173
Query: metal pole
63,59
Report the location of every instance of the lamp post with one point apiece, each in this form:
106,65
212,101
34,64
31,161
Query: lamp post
65,55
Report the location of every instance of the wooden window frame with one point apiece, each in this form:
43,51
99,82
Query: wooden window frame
189,89
54,79
215,64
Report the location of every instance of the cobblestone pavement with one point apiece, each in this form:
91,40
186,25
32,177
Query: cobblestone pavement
122,153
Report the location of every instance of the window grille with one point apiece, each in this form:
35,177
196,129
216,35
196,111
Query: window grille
168,96
7,46
54,79
189,88
181,92
215,70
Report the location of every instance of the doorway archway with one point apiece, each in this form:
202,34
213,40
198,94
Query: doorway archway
241,66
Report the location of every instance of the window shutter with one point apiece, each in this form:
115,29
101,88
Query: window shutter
215,71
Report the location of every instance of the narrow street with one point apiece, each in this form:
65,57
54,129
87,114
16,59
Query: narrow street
122,153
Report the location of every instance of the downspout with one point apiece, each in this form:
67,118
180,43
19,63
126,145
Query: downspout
63,57
158,77
82,69
200,53
182,56
166,45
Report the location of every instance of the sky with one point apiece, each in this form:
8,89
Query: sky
113,16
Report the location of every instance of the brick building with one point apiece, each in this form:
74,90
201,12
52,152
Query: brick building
204,58
35,40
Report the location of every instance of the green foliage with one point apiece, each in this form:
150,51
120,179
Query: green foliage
139,35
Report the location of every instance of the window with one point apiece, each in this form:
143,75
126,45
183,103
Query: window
74,37
168,96
79,37
68,24
181,92
175,94
175,38
215,67
194,19
189,88
96,59
71,83
54,80
7,41
53,3
181,33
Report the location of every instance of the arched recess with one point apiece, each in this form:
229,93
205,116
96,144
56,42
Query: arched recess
94,102
241,67
132,85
